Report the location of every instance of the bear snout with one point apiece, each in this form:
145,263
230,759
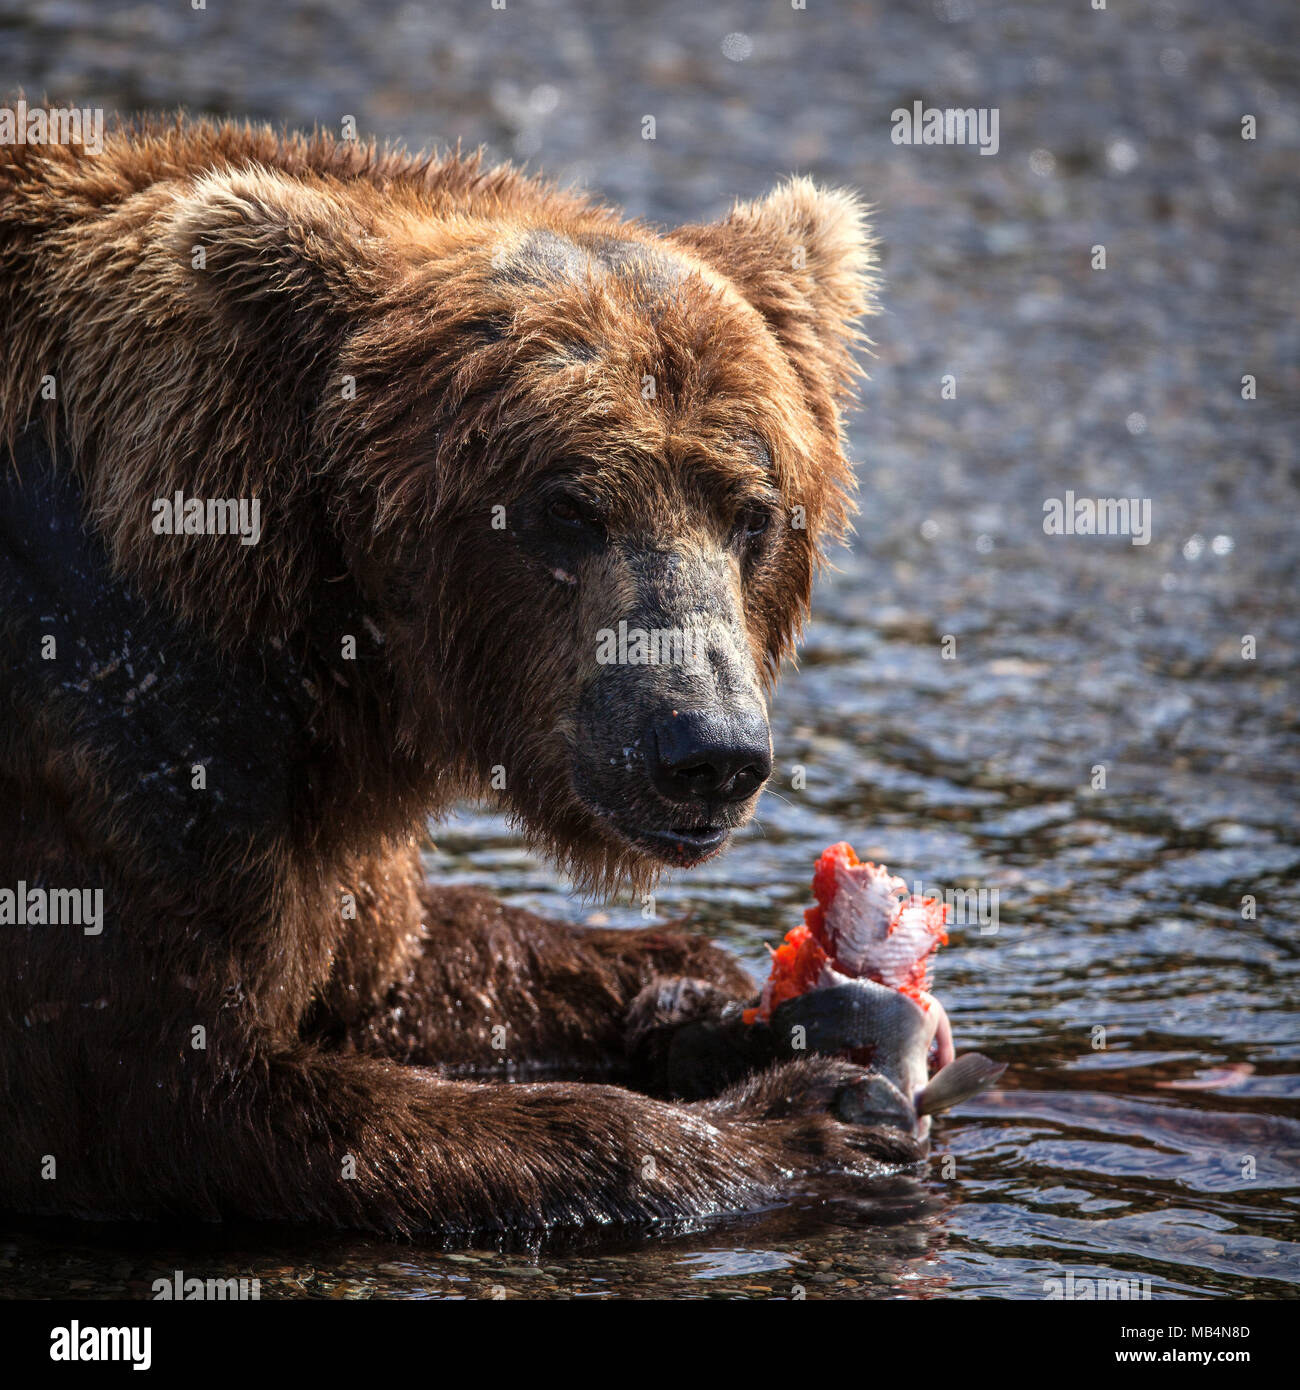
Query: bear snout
709,756
671,776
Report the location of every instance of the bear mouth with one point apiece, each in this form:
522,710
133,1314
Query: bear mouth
681,846
674,836
686,844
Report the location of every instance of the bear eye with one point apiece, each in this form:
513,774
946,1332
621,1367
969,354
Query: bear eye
572,514
569,512
752,525
565,509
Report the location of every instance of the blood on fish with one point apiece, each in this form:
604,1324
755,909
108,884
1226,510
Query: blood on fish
865,925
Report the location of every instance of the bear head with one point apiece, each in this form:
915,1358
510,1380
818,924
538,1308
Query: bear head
582,473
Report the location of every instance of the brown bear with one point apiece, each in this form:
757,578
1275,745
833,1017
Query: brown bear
344,483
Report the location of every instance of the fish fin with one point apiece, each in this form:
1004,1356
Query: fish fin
958,1081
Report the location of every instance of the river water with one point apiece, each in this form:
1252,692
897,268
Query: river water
1098,739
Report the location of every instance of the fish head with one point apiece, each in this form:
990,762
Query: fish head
899,1038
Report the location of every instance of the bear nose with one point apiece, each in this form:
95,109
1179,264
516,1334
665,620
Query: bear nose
710,755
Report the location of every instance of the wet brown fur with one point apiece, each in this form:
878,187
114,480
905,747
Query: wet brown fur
483,349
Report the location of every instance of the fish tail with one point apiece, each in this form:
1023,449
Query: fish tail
958,1081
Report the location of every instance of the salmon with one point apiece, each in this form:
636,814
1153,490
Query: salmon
867,948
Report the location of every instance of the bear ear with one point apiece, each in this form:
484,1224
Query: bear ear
804,258
263,244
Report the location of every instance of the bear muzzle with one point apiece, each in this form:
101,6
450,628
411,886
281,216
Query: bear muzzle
672,741
676,790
